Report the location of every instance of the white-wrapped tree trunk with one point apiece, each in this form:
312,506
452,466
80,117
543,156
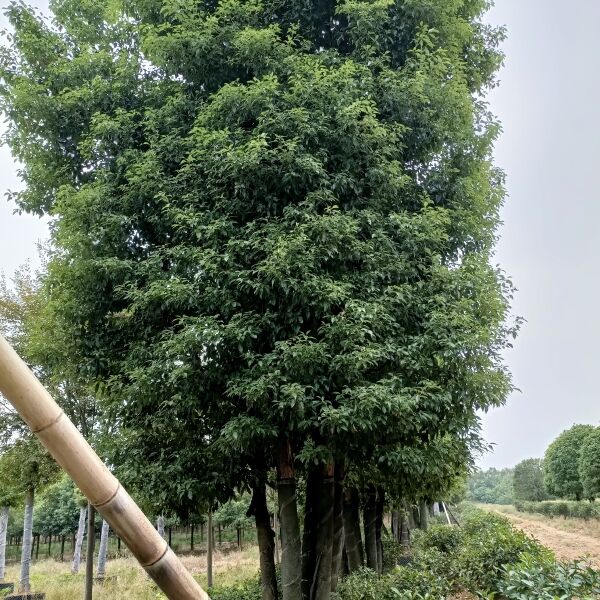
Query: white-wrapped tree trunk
24,585
102,550
3,530
79,540
160,526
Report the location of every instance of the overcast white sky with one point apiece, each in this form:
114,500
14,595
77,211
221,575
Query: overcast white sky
548,102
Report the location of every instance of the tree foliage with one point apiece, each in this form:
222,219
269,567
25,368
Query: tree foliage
528,481
493,486
273,228
589,465
561,463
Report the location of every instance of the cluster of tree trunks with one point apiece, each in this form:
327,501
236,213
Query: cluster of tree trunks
332,541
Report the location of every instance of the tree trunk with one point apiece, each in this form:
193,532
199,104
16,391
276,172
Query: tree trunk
309,534
192,538
370,525
63,539
160,526
396,525
102,551
266,542
3,530
404,531
291,573
423,515
50,547
37,547
338,525
317,549
24,585
79,541
352,535
379,526
209,551
89,559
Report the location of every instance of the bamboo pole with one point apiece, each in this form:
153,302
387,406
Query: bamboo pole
70,450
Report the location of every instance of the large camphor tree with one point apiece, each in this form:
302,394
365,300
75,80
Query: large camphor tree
273,224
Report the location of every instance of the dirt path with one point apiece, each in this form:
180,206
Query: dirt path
567,545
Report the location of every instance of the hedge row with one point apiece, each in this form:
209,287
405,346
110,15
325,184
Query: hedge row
575,510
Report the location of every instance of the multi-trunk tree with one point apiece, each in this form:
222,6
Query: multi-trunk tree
273,225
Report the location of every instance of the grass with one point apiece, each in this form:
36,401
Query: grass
131,582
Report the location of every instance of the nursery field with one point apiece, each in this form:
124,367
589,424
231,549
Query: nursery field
567,538
126,579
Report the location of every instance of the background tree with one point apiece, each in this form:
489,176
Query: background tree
30,468
561,463
589,465
528,481
492,486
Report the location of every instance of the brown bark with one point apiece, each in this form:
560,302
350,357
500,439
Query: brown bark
379,507
370,526
338,524
266,542
291,573
352,534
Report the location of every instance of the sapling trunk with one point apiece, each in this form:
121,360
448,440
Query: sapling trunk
78,541
160,526
370,525
404,531
266,542
24,585
209,551
103,550
291,573
89,558
423,515
3,531
352,535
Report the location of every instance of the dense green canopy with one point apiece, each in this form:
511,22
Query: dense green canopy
561,463
273,223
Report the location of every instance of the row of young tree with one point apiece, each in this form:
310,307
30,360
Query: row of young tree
570,470
272,226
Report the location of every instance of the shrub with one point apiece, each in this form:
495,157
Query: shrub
392,551
442,537
491,543
549,580
404,583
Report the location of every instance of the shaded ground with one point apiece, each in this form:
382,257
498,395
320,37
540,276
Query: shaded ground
568,539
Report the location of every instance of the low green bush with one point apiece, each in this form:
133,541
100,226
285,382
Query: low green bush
443,538
548,580
577,510
404,583
392,552
490,544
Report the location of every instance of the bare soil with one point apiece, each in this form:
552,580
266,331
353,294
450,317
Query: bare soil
568,539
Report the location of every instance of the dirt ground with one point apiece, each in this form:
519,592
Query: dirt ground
568,539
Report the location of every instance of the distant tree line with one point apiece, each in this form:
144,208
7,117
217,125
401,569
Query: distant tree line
570,470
